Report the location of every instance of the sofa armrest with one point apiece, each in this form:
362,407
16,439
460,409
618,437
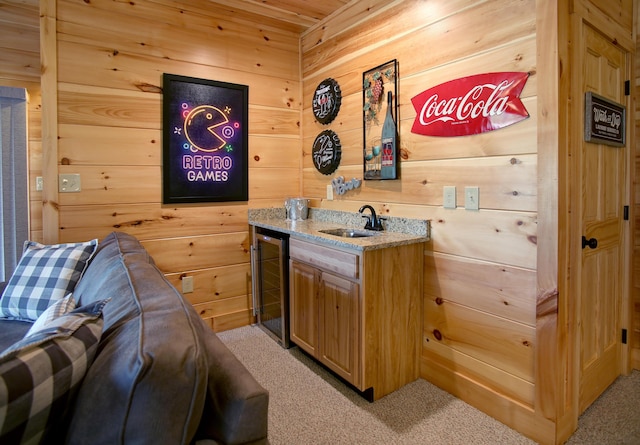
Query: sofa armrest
236,405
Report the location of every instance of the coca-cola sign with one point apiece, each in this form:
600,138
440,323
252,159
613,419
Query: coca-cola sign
470,105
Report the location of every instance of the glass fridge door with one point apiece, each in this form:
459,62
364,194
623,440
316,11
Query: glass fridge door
272,288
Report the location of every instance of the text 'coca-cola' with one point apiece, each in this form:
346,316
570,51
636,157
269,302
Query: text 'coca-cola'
470,105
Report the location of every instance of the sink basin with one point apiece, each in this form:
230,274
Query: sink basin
348,233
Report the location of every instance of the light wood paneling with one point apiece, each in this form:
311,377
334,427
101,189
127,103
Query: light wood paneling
219,283
231,320
94,145
235,49
464,25
480,274
504,291
20,68
506,183
114,184
485,375
110,59
190,253
102,66
110,117
502,237
551,355
505,344
226,306
16,36
485,397
151,221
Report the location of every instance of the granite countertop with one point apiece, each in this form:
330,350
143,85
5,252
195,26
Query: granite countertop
398,231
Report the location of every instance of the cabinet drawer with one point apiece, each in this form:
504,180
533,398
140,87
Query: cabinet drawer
326,258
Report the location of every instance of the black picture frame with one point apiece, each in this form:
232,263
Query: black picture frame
374,108
205,140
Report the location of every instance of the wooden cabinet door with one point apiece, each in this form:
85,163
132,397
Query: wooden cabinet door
303,306
339,322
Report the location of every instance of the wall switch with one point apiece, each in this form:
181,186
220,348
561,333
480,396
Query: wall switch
69,183
187,285
449,197
39,183
471,196
329,192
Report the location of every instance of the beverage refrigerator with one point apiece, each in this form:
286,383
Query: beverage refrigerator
270,282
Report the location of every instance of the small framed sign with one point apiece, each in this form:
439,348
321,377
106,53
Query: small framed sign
205,140
604,121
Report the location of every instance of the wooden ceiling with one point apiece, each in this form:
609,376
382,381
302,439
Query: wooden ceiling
303,13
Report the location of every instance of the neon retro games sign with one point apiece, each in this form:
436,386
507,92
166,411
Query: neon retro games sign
205,140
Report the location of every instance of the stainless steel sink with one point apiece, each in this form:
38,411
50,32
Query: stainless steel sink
348,233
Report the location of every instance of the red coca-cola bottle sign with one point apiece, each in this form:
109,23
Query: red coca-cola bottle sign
470,105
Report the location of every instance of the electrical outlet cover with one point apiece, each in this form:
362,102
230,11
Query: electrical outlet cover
449,197
69,182
187,285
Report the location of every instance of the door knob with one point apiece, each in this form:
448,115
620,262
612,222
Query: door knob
592,243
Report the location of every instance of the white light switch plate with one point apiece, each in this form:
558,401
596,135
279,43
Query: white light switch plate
449,197
471,198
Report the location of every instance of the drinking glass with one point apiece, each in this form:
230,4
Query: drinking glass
287,206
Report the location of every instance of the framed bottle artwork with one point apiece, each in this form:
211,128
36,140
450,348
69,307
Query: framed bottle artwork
380,118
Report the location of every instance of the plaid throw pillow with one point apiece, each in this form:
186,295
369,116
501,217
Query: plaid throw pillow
44,275
57,309
40,374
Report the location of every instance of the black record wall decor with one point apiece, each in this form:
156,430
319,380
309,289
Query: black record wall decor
327,152
326,101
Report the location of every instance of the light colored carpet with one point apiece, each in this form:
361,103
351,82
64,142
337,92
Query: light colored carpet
308,405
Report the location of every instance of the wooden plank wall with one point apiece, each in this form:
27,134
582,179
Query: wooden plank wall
480,271
480,268
20,68
110,57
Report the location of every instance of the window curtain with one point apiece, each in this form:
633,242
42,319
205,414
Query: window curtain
14,198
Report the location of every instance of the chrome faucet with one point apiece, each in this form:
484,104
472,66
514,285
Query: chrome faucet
373,222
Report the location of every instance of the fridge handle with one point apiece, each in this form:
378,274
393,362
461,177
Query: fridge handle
254,280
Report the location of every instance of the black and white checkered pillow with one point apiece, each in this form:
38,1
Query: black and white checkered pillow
40,374
44,275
